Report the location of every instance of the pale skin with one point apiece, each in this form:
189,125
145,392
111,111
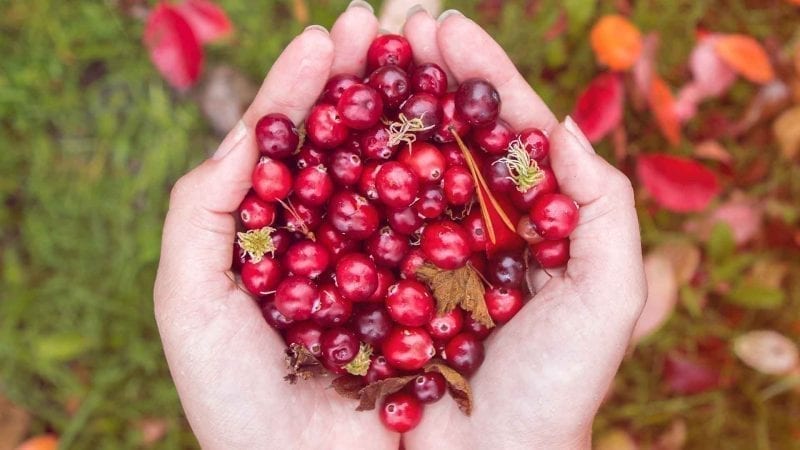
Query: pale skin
545,372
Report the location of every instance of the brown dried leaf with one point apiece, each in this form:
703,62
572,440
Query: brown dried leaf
348,386
459,386
374,392
301,364
461,287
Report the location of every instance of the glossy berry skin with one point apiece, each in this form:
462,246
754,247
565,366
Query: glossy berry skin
272,180
413,261
345,167
452,155
477,236
476,328
379,369
431,202
339,346
408,348
393,85
550,254
335,242
325,127
295,297
335,86
503,303
276,136
493,138
389,49
410,303
425,160
400,412
262,277
371,323
535,143
477,101
386,279
396,184
306,334
444,326
274,317
450,119
525,200
256,213
332,309
459,187
352,215
387,247
310,156
425,107
366,183
445,244
356,277
375,144
428,387
360,106
429,78
499,178
303,218
313,186
281,240
554,216
506,269
404,221
307,258
464,353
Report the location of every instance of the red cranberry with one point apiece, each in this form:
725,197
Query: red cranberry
307,259
256,213
332,309
397,185
239,257
379,369
464,353
410,303
429,387
425,107
524,200
346,167
476,231
498,177
274,317
313,186
306,334
375,143
339,346
389,49
493,138
385,280
425,160
444,326
352,215
262,277
536,143
445,244
325,127
507,269
554,216
408,348
276,136
478,329
356,277
431,203
551,254
272,180
527,230
335,242
335,86
477,101
478,261
302,218
413,261
281,240
452,155
371,323
387,247
404,221
360,106
450,119
366,184
503,303
295,297
392,83
429,78
400,412
459,187
310,156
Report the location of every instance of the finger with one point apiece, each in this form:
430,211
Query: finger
352,33
420,29
537,278
471,53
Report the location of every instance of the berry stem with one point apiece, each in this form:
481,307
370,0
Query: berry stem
256,243
404,128
360,364
525,172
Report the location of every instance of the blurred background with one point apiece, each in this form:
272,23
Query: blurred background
698,101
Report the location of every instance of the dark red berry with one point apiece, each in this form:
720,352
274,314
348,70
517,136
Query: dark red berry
507,269
400,412
444,326
238,258
306,334
397,185
332,309
477,101
375,144
480,330
352,215
413,261
404,221
335,86
452,155
493,138
429,78
295,297
272,180
387,247
261,278
498,177
389,49
366,183
554,216
345,167
525,200
459,187
310,156
410,303
313,186
339,346
535,143
335,242
408,348
503,303
281,240
393,85
464,353
386,278
276,136
325,127
450,121
360,106
371,323
274,317
425,107
256,213
431,203
356,277
445,244
379,369
425,160
428,387
477,237
550,254
302,218
307,258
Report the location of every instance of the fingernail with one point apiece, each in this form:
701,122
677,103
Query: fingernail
450,12
576,132
231,141
361,4
415,9
317,28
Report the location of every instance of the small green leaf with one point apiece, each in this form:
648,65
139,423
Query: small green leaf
720,243
754,296
579,12
690,298
61,347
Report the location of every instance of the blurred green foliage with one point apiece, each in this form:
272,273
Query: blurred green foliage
91,140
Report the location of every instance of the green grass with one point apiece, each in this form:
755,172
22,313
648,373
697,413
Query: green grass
91,140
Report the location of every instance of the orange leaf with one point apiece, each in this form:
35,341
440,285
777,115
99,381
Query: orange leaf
662,103
617,42
42,442
746,56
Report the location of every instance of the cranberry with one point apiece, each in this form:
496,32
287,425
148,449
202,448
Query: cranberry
335,242
372,324
262,277
507,269
431,203
524,200
551,254
271,179
307,259
400,412
408,348
445,244
527,230
444,326
429,78
332,309
392,83
413,261
356,277
256,213
459,187
554,216
503,303
425,160
397,185
325,127
493,138
385,280
281,240
452,155
477,102
404,221
410,303
366,183
450,119
352,215
388,49
306,334
429,387
239,257
379,369
464,353
339,346
276,136
478,329
425,107
346,167
335,86
498,177
360,106
387,247
310,156
476,231
313,186
535,142
375,143
274,317
295,297
301,218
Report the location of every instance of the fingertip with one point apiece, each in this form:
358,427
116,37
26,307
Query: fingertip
421,29
351,35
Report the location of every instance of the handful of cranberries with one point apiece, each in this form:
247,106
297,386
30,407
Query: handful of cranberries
388,238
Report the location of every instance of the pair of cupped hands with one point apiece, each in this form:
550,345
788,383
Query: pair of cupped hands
546,372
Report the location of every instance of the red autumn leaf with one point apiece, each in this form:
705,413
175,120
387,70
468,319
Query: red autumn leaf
662,103
174,48
677,184
207,20
599,107
685,376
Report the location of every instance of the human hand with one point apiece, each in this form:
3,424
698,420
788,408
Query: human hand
227,363
546,371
